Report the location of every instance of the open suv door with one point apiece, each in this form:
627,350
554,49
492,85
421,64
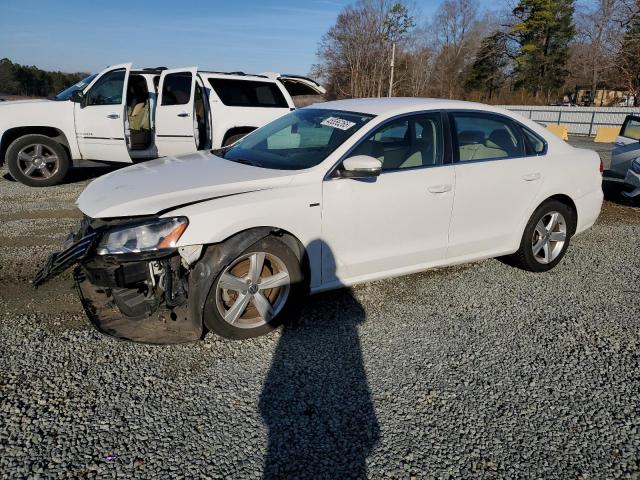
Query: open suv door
176,123
100,116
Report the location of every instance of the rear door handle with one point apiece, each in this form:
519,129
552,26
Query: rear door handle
183,114
619,144
440,188
530,177
113,116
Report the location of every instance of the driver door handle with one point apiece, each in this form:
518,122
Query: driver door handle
183,114
113,116
619,144
440,188
530,177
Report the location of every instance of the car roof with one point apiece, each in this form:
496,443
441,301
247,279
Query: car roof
398,105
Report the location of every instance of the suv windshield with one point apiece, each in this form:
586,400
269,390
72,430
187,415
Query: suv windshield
301,139
65,94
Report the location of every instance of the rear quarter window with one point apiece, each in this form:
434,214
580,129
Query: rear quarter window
247,93
631,128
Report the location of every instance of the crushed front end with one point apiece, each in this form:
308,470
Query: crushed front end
133,282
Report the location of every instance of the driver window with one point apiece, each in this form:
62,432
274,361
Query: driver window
411,142
108,89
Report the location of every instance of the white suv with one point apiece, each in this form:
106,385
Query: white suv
122,115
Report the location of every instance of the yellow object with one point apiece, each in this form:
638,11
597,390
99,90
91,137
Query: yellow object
606,134
559,130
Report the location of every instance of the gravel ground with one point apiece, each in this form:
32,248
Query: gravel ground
474,371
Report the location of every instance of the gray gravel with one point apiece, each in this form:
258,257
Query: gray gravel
466,372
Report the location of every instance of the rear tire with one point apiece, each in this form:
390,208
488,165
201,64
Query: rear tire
231,139
37,161
242,303
546,237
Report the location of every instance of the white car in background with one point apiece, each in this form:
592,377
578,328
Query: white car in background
327,196
121,116
625,157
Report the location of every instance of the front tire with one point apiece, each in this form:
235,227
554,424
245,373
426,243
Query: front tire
546,237
37,161
253,294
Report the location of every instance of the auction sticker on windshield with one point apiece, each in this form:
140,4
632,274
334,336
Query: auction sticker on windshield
337,123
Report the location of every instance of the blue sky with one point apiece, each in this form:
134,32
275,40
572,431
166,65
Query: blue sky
248,35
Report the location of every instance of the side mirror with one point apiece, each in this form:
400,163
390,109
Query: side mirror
77,97
361,166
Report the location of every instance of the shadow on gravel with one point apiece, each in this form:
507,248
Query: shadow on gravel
612,189
316,401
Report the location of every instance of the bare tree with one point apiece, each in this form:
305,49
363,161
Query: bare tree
598,33
455,27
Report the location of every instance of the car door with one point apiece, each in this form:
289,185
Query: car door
302,90
496,183
627,146
399,221
176,123
100,117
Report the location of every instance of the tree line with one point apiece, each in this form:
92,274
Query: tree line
537,52
31,81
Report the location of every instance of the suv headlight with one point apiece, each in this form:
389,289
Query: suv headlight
635,165
156,235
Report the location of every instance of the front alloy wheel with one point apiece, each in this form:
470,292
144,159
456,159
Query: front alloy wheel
252,290
37,160
254,293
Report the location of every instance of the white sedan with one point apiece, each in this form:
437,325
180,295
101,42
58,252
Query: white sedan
327,196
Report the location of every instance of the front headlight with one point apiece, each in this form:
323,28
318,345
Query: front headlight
635,165
157,235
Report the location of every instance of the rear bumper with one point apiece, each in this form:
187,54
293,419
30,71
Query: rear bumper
589,207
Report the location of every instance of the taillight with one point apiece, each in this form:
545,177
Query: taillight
601,167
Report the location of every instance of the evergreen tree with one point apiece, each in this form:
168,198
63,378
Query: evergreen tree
486,73
542,31
18,79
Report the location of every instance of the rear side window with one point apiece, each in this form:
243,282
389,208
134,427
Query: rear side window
535,144
486,137
631,128
176,89
246,93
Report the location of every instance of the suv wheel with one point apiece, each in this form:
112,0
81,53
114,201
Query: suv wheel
546,237
37,161
254,293
231,139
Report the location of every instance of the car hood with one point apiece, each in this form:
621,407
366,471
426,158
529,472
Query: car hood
166,183
13,103
42,112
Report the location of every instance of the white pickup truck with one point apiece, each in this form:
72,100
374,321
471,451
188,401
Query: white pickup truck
121,115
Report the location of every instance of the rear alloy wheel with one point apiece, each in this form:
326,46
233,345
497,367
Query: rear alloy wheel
546,237
549,237
252,293
37,161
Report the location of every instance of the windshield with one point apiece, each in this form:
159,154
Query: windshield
65,94
301,139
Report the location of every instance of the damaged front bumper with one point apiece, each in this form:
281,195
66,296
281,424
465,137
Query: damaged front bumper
147,297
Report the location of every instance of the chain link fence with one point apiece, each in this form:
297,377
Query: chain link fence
579,120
